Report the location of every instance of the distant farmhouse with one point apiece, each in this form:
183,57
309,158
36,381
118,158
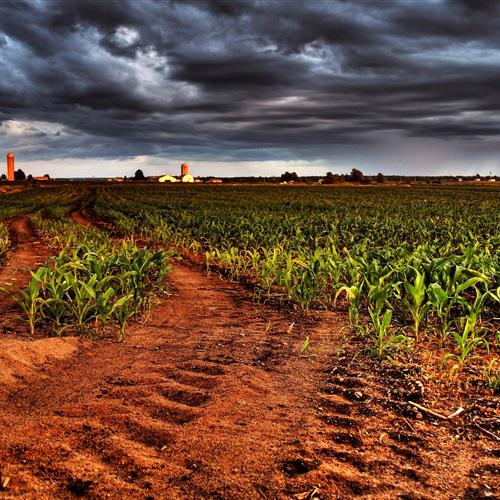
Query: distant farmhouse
184,177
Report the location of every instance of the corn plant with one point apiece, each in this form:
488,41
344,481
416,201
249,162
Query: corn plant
474,310
467,340
31,300
353,296
383,341
441,303
492,374
379,295
122,310
415,300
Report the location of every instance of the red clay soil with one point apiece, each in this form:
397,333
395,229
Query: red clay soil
20,354
27,253
27,250
86,217
78,218
212,398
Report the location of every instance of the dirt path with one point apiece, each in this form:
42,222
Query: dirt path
211,399
20,355
203,400
27,253
78,218
86,217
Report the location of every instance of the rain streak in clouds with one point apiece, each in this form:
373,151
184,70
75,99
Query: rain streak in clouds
251,87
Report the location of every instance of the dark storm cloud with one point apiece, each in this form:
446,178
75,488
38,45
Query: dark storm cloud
466,20
245,79
240,71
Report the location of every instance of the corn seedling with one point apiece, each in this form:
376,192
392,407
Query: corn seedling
467,341
305,346
30,299
353,296
381,338
415,301
492,374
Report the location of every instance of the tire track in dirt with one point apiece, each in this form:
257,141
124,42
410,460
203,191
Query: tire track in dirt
366,446
85,217
28,252
187,406
79,218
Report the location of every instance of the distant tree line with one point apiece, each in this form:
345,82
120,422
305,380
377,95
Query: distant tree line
19,175
357,176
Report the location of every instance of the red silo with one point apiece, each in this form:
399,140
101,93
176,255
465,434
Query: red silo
184,169
10,166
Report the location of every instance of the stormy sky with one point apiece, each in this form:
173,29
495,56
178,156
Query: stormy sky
250,87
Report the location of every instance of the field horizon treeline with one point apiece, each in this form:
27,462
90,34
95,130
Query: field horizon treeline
356,176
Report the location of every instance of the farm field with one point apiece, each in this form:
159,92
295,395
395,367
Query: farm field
249,341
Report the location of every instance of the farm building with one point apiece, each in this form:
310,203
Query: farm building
187,178
168,178
184,177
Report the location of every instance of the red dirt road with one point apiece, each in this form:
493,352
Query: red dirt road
28,253
19,355
210,398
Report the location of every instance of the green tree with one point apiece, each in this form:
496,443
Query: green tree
289,176
356,175
330,178
19,175
139,175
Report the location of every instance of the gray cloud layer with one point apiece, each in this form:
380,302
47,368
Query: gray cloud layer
250,80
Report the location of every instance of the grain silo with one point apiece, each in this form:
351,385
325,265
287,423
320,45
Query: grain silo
184,169
10,166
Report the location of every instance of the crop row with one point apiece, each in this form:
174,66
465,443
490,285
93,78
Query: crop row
405,263
94,283
23,202
30,200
